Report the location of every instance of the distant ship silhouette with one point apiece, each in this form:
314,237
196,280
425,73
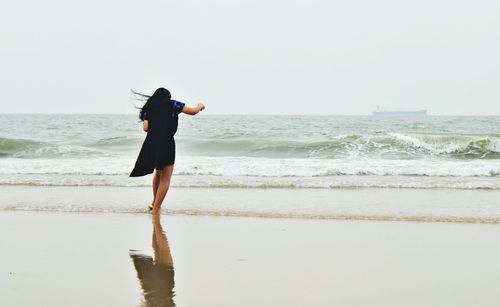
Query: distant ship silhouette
383,112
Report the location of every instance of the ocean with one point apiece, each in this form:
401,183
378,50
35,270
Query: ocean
240,151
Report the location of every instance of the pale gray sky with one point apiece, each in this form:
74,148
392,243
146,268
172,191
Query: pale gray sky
252,57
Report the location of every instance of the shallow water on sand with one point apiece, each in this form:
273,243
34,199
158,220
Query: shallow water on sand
420,205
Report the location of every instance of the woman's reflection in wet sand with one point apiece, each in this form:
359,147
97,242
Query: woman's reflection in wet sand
156,275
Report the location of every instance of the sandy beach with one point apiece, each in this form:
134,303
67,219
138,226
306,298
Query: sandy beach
116,259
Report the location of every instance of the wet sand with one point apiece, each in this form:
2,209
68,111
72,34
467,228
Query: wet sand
423,205
113,259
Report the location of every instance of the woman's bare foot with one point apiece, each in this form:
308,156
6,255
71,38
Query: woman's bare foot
150,207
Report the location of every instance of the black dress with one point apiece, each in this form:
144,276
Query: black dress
158,149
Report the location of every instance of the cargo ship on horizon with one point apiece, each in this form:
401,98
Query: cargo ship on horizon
383,112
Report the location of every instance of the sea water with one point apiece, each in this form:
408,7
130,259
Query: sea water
325,152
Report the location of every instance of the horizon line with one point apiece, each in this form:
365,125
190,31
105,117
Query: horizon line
240,114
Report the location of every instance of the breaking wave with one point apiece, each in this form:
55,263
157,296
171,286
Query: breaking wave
387,145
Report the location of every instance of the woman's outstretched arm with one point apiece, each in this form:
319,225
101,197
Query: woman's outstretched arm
193,110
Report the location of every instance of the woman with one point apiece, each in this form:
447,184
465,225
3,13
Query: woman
160,118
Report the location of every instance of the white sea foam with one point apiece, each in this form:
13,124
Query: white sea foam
260,167
261,172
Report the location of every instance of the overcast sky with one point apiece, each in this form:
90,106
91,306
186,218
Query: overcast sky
252,57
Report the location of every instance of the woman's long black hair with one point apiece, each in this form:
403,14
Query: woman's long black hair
160,95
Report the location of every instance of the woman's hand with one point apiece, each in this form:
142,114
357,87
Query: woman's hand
145,125
194,110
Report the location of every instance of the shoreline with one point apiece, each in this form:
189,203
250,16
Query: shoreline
370,204
352,218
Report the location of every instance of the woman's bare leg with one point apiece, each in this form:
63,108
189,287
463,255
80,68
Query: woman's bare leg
156,184
165,175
